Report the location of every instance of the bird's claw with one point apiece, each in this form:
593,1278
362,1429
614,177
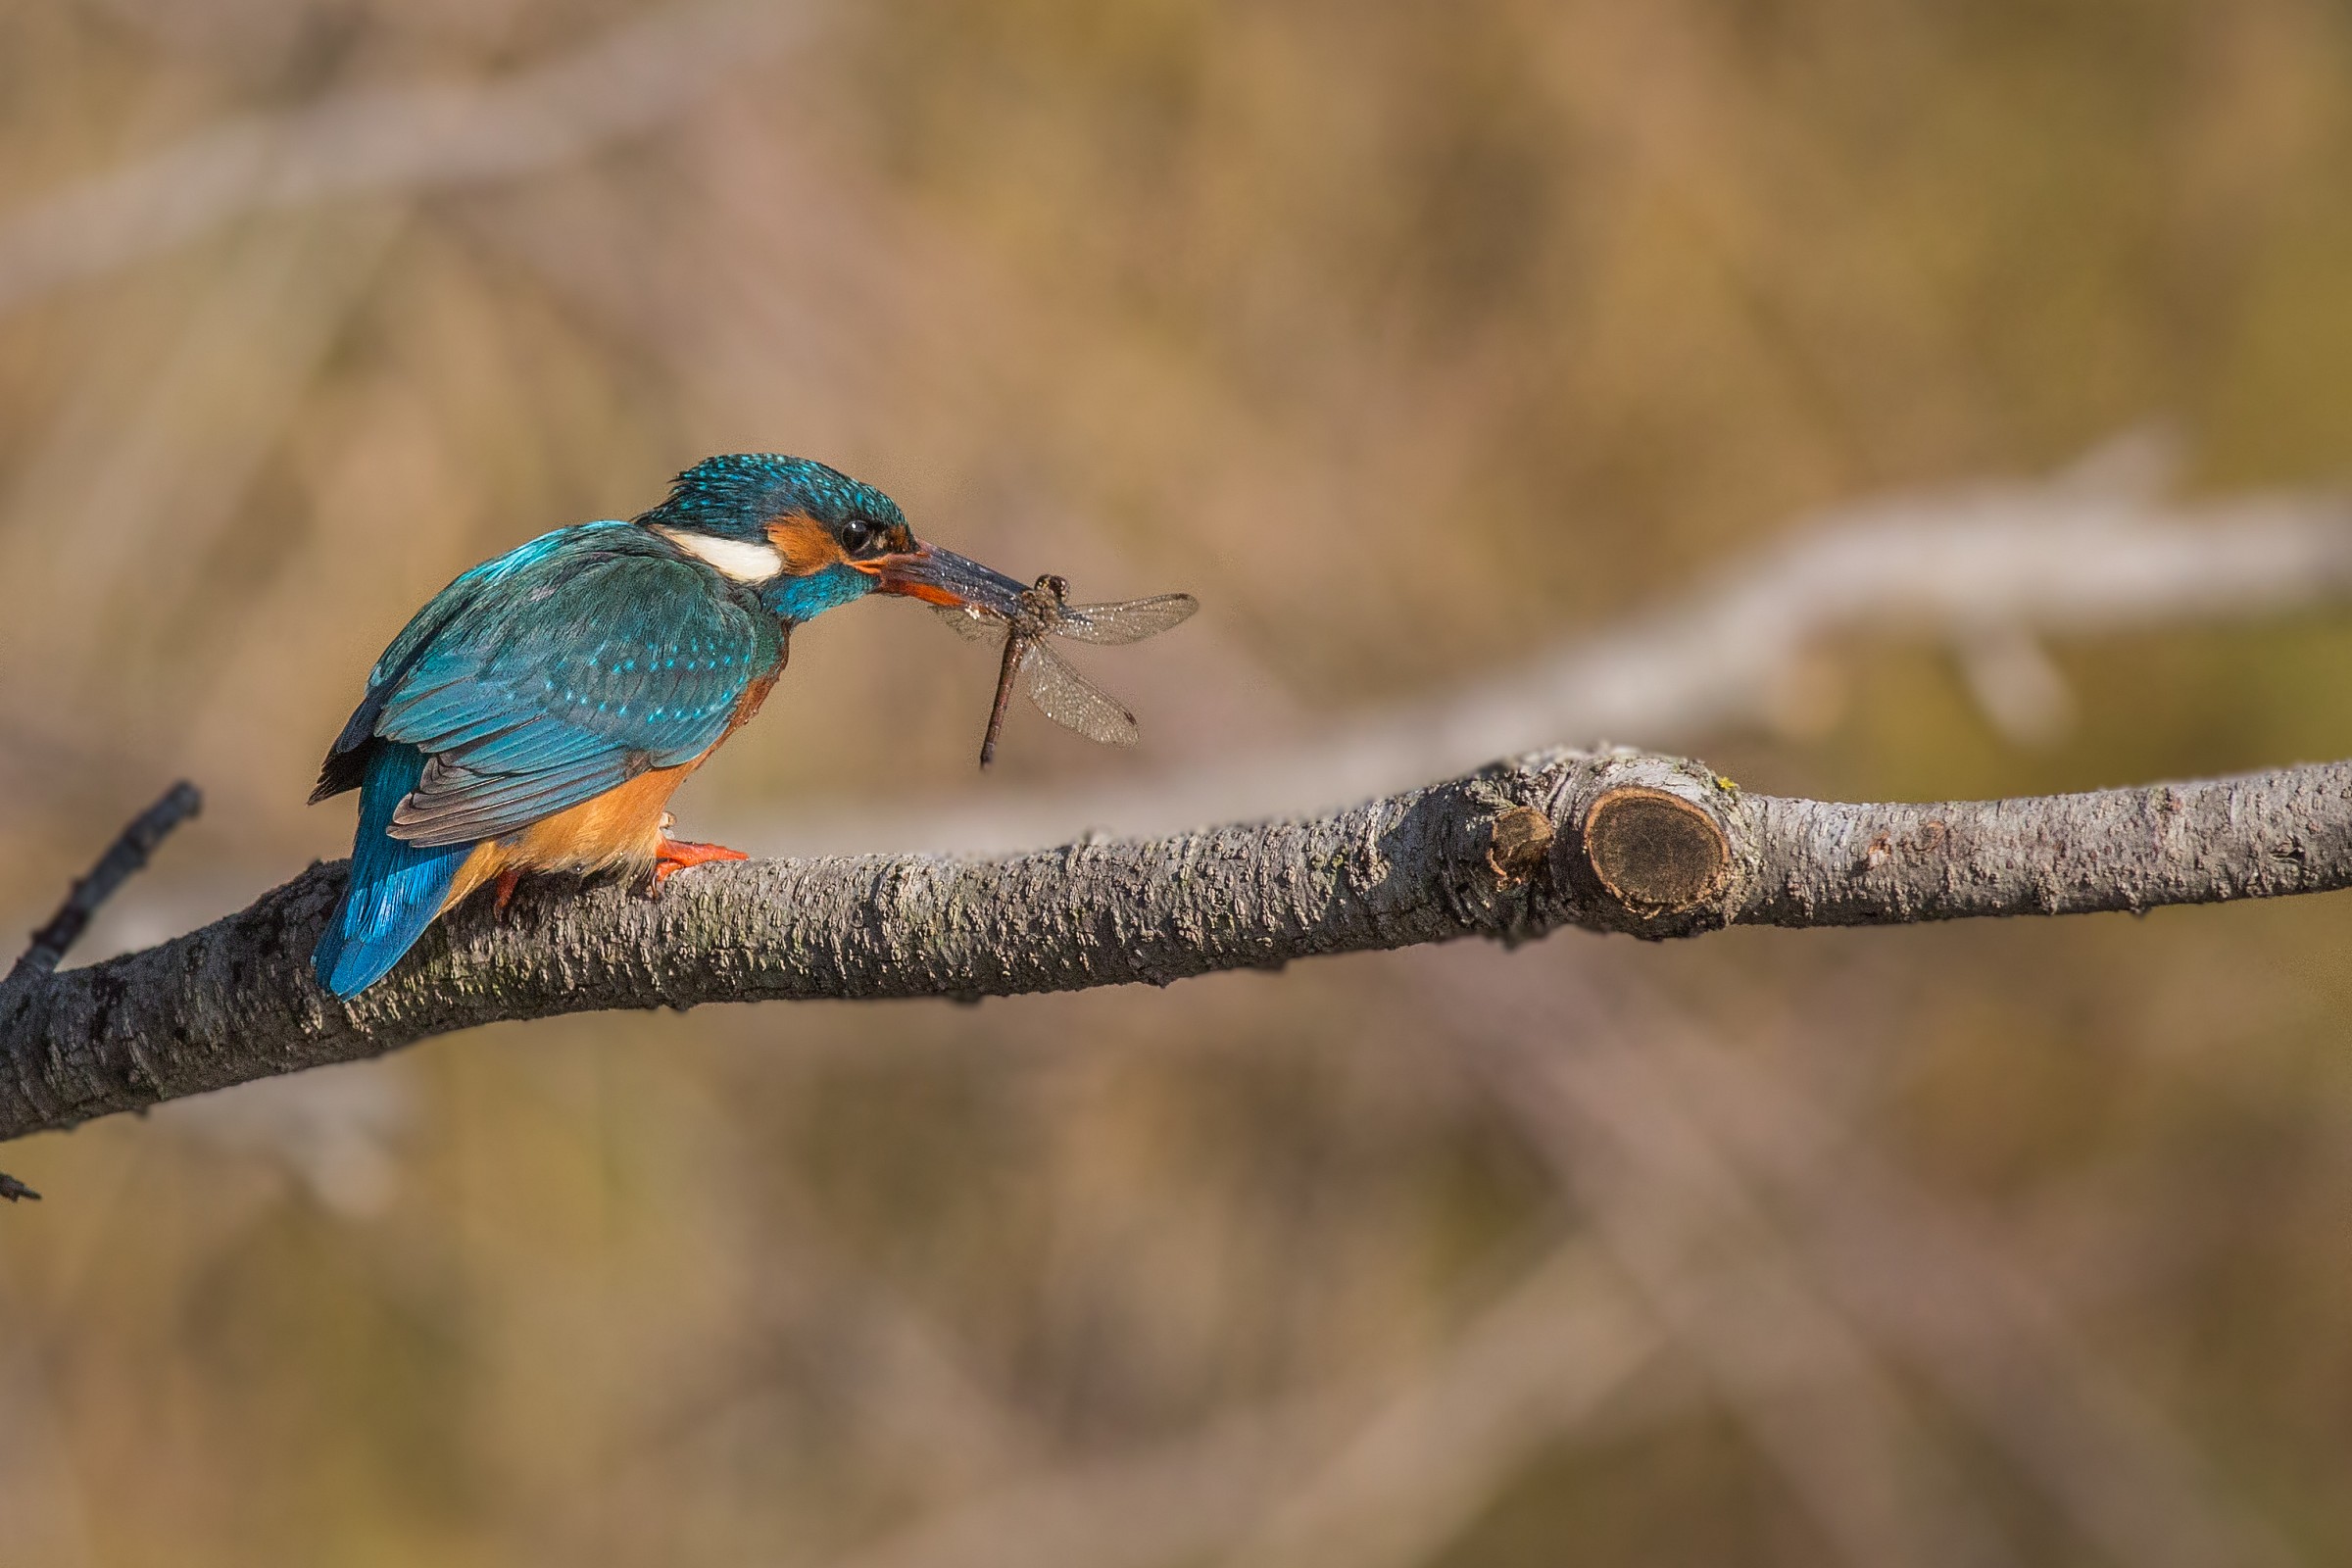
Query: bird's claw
676,855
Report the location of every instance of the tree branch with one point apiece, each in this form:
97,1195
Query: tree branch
1609,842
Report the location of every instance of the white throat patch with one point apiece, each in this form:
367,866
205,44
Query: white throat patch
745,562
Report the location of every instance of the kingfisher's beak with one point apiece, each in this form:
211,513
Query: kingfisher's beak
942,578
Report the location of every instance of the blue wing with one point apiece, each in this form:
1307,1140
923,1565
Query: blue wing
346,766
543,678
554,678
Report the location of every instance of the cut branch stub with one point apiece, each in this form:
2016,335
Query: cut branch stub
1654,852
1518,843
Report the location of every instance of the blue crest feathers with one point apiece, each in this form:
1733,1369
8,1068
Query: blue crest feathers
737,493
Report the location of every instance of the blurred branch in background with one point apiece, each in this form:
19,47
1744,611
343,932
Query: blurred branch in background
393,140
1807,1388
1937,1291
1987,572
1826,1297
154,445
1565,1348
337,1133
144,447
1844,1313
1372,1481
1789,1230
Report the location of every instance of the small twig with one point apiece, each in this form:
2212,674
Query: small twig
117,865
113,869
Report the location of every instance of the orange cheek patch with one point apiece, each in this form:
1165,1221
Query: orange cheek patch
804,544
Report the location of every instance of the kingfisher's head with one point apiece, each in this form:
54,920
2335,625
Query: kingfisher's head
807,537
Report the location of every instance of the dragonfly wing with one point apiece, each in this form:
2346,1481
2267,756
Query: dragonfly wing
1130,620
972,624
1073,702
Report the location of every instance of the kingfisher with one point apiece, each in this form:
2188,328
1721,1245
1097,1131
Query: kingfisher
537,715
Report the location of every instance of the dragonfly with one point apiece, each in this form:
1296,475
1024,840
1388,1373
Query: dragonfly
1042,613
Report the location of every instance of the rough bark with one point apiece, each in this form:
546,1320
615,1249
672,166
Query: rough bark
1611,842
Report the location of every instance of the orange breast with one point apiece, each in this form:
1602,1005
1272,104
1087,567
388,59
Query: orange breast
617,830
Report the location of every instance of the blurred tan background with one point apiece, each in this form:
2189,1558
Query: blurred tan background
1415,339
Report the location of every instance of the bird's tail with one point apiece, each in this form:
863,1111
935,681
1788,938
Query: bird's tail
396,889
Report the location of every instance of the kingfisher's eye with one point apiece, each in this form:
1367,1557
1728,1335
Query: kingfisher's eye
856,536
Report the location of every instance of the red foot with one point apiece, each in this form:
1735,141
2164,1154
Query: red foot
676,855
508,882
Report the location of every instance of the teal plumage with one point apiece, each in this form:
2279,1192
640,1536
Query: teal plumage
598,654
396,889
530,684
557,674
